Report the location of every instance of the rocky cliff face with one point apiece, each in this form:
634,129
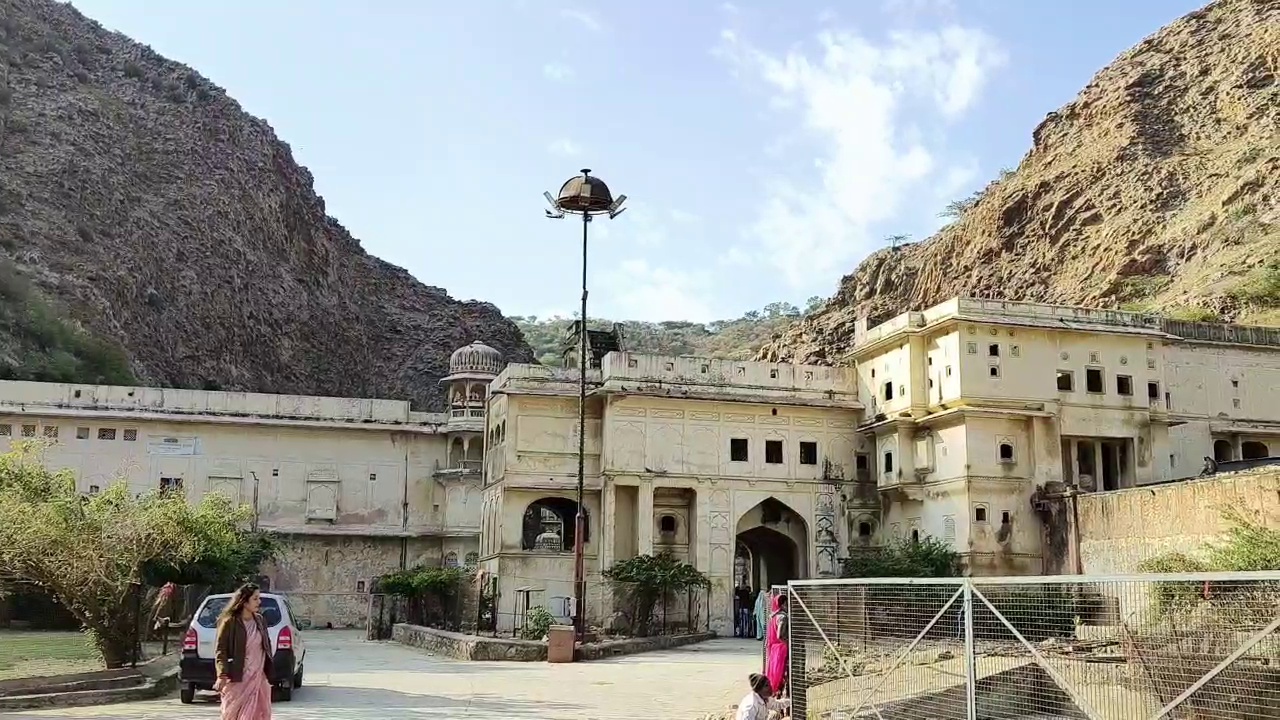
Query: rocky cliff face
1157,189
144,202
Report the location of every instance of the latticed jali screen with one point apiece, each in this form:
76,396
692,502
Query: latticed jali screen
1149,646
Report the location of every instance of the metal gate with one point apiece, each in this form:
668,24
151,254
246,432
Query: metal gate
1096,648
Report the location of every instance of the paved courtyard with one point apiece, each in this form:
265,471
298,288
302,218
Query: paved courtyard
348,678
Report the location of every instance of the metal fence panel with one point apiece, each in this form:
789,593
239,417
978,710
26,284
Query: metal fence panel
1104,648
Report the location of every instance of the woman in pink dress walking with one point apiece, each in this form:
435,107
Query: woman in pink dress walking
244,658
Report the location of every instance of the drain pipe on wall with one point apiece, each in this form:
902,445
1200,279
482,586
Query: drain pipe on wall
1075,532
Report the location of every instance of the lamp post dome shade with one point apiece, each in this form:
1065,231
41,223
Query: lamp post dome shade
584,194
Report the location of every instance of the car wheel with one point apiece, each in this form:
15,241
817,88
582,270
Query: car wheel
187,694
297,679
286,692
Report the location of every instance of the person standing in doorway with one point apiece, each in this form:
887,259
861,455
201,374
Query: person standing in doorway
243,658
742,618
762,596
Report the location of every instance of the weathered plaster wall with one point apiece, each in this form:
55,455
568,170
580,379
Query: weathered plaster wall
367,469
1118,530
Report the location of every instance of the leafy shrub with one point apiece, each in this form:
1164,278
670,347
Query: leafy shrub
928,558
641,582
1260,287
1249,546
537,623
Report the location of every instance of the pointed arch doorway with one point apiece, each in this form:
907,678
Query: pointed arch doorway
772,546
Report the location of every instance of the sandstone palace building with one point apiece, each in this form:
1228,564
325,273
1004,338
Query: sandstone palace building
945,422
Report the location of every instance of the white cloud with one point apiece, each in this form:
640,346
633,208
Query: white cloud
565,147
639,291
730,8
683,217
584,18
862,103
557,71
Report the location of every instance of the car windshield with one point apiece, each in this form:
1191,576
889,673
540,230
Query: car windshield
208,616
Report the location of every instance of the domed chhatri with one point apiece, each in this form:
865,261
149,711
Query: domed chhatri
474,360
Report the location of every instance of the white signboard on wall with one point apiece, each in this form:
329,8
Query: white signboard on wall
167,445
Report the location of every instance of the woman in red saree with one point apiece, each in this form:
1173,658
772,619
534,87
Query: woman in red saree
775,664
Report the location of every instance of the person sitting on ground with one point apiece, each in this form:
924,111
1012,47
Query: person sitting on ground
758,704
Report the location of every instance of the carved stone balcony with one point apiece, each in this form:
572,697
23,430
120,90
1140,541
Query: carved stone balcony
470,470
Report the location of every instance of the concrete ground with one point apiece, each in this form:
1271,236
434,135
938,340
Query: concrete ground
348,678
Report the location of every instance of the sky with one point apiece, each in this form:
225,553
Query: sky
765,148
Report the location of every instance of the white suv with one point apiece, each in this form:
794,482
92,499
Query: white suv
196,670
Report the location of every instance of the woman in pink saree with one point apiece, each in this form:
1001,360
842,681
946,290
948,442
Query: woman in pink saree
775,639
244,658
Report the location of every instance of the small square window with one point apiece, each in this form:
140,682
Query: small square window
742,370
28,431
808,453
632,362
1015,350
1094,357
1004,517
738,450
980,514
1066,381
860,462
670,366
773,452
993,350
1124,385
994,371
888,390
6,431
1093,380
170,484
972,348
373,477
94,489
705,369
773,373
888,462
1235,403
131,434
1006,452
1235,383
948,371
275,472
106,433
51,432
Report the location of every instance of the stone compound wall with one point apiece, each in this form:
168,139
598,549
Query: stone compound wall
1118,530
327,579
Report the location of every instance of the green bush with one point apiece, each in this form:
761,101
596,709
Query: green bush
928,558
422,582
1260,287
1250,546
642,582
537,623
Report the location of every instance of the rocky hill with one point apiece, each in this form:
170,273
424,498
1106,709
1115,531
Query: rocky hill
737,339
151,229
1157,189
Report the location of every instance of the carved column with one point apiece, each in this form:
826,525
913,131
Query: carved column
825,542
720,568
644,518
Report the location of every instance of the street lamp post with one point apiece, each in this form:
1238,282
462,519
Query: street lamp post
586,196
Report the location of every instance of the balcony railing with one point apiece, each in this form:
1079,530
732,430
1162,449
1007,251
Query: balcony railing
462,412
460,467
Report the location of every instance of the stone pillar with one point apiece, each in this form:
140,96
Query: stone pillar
918,362
644,518
1075,461
1046,454
1098,472
608,525
1237,447
906,469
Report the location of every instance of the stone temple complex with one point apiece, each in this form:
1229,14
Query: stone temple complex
948,423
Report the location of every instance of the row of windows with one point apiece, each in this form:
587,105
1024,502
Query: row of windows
739,451
1095,383
82,433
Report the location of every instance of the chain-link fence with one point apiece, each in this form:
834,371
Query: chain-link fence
1104,648
39,638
